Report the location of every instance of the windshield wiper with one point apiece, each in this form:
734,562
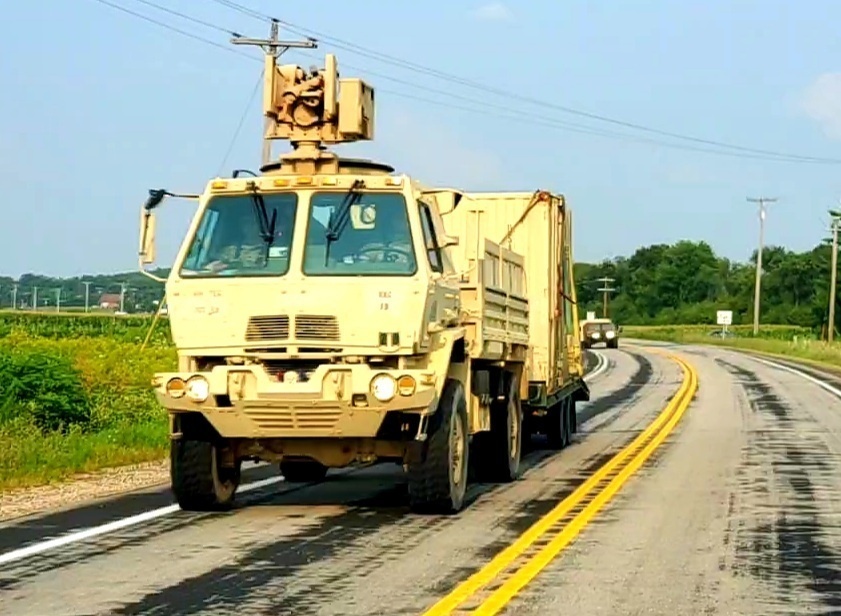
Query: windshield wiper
337,224
267,225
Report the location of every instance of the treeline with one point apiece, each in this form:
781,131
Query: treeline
139,293
686,283
681,283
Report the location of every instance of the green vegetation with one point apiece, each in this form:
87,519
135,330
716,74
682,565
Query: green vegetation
792,341
80,396
686,283
77,395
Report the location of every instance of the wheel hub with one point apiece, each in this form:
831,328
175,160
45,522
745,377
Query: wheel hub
513,429
456,449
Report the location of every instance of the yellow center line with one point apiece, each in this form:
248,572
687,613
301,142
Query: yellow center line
629,459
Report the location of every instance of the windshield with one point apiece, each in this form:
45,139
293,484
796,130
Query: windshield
229,240
590,328
375,241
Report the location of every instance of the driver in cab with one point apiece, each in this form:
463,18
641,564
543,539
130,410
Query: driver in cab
247,250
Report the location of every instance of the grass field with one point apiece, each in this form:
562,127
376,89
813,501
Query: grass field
794,342
77,395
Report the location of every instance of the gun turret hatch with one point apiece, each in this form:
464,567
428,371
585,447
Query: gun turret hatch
314,108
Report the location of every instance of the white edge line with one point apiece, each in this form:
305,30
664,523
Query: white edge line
152,514
94,531
600,367
833,390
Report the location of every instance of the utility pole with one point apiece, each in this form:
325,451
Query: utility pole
273,48
15,297
35,298
123,286
605,290
87,295
836,218
758,282
58,299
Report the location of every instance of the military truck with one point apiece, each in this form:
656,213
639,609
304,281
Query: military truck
322,317
537,224
596,331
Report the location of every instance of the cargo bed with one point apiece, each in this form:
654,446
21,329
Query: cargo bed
537,226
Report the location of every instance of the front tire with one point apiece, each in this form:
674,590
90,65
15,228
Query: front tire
438,481
199,481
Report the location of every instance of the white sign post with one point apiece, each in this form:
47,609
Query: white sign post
724,318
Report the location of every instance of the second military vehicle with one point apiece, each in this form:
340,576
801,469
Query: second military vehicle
324,316
595,331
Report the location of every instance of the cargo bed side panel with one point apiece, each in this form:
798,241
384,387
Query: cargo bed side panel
534,225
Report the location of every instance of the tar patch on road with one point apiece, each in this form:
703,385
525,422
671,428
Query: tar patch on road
625,395
783,526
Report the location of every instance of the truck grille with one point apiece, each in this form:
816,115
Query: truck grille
267,328
316,327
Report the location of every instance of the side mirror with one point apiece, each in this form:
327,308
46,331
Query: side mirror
147,237
620,329
448,241
156,195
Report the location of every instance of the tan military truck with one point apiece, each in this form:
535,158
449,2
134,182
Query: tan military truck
597,331
323,318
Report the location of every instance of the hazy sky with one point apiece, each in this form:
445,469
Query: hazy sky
97,106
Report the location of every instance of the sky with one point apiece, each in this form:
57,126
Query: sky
97,106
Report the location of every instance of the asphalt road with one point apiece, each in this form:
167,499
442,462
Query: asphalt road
739,514
736,514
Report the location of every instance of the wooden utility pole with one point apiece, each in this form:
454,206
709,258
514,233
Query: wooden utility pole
830,332
758,282
605,290
272,48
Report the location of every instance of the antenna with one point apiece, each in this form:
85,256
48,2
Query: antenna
273,47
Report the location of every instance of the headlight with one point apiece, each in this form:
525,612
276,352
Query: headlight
406,385
198,389
176,387
609,334
383,386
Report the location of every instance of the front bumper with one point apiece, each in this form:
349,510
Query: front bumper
335,401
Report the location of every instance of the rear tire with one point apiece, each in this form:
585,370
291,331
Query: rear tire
199,482
302,470
557,428
500,450
438,480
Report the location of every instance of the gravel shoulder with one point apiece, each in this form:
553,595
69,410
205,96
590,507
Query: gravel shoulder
348,546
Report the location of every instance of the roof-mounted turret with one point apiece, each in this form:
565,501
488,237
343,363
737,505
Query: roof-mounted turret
310,109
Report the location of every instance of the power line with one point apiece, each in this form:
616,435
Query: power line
174,29
195,20
387,58
533,119
242,118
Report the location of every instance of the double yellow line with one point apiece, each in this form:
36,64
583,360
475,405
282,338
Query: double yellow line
488,590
